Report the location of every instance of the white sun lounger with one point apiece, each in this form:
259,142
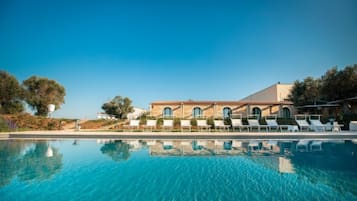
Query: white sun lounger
185,124
303,125
150,124
237,123
219,124
273,124
202,124
254,123
168,124
317,126
301,122
133,124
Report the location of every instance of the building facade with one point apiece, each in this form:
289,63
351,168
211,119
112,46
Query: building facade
269,101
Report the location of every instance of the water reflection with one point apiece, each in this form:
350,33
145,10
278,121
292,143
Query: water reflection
10,156
40,162
332,163
28,161
116,150
335,155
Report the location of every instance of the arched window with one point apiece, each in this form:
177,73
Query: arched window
286,112
167,112
227,112
197,112
257,111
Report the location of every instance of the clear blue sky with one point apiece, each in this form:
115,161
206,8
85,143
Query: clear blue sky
173,50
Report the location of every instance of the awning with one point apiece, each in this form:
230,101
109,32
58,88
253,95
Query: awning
319,106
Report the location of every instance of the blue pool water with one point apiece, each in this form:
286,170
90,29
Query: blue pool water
177,170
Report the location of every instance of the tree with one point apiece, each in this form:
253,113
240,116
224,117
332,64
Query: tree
333,85
312,90
119,107
338,85
305,92
40,92
11,94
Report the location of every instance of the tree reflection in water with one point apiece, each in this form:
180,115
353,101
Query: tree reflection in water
10,156
117,150
36,164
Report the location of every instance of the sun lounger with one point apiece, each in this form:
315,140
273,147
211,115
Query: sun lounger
202,124
336,127
254,123
333,127
273,124
185,124
303,125
168,124
150,124
316,124
353,126
237,123
133,124
301,122
219,124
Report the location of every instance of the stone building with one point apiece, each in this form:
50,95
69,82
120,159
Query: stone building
269,101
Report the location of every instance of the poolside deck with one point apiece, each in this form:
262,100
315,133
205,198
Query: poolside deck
347,135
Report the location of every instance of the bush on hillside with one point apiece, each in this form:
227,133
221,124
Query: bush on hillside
26,121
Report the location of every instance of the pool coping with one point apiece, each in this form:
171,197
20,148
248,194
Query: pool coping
65,134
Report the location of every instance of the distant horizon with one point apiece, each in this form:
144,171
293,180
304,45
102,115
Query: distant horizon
177,50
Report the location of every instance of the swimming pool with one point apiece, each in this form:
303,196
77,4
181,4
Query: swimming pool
178,170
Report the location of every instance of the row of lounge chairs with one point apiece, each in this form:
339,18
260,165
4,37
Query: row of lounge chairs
168,124
237,124
315,124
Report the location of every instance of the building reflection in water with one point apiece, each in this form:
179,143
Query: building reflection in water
271,154
279,155
330,162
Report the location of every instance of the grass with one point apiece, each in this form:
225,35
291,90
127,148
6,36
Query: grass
99,123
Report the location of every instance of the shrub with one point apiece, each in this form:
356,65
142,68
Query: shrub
3,125
227,121
210,121
286,121
53,125
347,118
177,122
193,122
